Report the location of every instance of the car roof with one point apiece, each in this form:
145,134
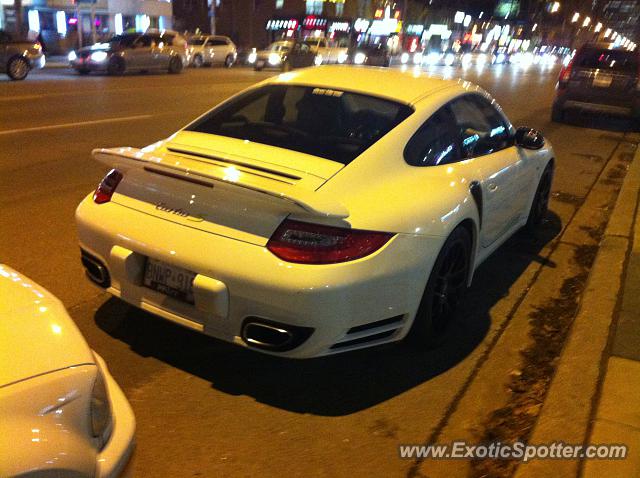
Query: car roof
404,86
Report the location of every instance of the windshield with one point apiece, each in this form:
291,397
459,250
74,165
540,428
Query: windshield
123,40
197,41
613,60
279,47
331,124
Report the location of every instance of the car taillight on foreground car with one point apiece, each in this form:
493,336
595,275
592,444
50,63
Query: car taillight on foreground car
107,187
565,74
307,243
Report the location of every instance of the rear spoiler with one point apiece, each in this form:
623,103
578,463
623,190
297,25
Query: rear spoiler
198,172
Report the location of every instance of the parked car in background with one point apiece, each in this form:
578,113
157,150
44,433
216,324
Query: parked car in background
61,412
599,79
210,50
372,55
150,51
17,57
283,55
327,52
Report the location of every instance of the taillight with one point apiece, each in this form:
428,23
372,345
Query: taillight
107,187
306,243
565,73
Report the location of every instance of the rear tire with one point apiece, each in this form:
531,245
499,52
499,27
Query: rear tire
116,66
175,65
228,61
446,285
18,68
198,61
540,204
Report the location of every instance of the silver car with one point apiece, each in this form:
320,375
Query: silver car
150,51
18,58
212,49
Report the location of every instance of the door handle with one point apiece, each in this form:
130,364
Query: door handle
493,187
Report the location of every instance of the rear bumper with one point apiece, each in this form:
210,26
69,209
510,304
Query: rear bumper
237,280
615,104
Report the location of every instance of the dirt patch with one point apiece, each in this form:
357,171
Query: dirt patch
567,198
550,326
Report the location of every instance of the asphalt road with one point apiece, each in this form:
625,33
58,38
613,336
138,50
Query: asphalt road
205,408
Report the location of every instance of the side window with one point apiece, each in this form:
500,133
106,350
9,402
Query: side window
480,128
218,42
143,41
435,143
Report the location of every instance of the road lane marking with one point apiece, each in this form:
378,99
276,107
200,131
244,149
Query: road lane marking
21,97
71,125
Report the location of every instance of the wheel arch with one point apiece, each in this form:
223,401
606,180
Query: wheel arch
472,228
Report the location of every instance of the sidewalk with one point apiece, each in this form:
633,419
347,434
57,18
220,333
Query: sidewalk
594,396
617,417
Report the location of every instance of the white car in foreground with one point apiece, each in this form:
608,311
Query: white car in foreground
61,412
320,211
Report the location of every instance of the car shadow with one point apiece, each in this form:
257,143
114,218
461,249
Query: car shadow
334,385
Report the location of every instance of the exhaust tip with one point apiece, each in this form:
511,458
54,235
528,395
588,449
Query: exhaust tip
273,336
95,270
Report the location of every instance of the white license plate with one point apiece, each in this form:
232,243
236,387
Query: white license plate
602,81
169,280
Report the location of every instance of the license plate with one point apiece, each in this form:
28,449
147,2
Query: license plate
602,81
260,63
169,280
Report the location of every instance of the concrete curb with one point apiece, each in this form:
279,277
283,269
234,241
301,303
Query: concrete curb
567,410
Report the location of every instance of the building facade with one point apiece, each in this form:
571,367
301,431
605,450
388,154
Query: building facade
62,25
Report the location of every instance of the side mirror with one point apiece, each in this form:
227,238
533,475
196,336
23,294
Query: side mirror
529,138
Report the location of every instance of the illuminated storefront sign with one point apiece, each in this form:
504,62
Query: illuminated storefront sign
290,24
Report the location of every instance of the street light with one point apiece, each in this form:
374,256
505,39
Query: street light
598,27
586,22
607,32
555,6
575,17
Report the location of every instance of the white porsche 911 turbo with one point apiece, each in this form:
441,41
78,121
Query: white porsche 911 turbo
61,412
320,211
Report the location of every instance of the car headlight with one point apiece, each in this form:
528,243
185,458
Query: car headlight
274,59
359,58
100,410
433,58
404,58
318,60
72,56
342,57
99,56
417,58
481,60
449,59
253,56
466,59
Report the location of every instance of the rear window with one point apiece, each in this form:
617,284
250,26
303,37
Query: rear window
613,60
331,124
197,41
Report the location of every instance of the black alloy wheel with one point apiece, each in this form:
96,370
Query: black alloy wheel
445,287
116,66
540,204
175,65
